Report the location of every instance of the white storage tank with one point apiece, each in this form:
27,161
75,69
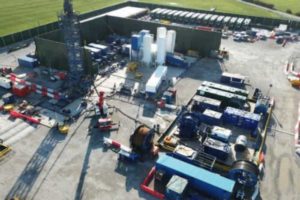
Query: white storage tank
161,32
161,50
171,39
147,45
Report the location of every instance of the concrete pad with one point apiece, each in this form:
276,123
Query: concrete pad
50,118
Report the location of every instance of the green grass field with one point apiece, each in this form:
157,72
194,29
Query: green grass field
18,15
283,5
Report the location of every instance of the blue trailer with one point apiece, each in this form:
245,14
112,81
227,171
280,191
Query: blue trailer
241,118
176,61
206,182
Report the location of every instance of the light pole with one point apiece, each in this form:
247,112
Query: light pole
270,86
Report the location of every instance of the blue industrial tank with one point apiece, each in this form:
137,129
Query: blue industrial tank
188,126
135,42
261,106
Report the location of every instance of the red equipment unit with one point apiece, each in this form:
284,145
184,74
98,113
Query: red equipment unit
20,90
105,124
15,114
145,185
101,101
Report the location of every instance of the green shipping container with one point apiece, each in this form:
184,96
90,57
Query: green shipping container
228,99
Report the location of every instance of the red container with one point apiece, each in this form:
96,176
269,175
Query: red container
204,28
20,90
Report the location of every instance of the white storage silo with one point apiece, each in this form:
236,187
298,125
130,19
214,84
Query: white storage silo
161,50
171,39
147,44
161,32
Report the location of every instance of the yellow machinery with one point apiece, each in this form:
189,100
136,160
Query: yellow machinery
8,107
295,81
4,150
166,22
132,66
63,128
138,75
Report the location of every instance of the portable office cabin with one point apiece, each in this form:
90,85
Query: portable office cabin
158,13
153,12
182,16
170,14
206,19
232,22
188,17
163,15
246,23
213,19
236,80
226,20
239,23
200,18
177,15
219,21
194,17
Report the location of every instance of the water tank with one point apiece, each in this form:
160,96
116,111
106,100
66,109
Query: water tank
161,32
171,39
161,50
147,43
142,33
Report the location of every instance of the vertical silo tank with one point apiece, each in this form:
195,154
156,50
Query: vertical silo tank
147,44
142,33
173,33
135,42
161,32
171,39
161,50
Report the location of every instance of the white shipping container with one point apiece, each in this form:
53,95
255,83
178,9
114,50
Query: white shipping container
5,83
156,78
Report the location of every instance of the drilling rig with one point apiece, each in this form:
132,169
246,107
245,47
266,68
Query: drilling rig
69,24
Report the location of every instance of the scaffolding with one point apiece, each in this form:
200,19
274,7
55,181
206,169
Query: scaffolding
69,24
